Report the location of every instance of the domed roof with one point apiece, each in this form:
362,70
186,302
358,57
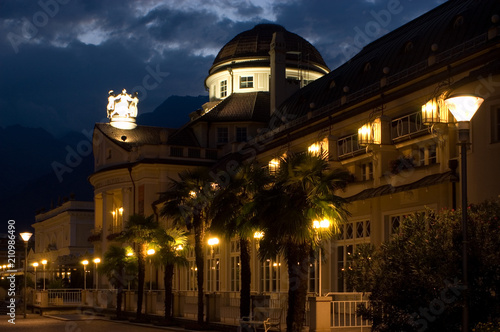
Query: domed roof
255,42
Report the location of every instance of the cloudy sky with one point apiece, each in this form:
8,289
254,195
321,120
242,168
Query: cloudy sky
59,58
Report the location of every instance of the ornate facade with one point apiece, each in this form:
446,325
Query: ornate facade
408,164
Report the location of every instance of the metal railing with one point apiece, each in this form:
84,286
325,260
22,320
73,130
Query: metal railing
408,126
64,296
348,146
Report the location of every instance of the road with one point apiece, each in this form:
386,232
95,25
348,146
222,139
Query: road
73,323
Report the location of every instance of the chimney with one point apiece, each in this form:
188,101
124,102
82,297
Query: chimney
278,70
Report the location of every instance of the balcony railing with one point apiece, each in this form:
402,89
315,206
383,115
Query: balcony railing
408,126
348,146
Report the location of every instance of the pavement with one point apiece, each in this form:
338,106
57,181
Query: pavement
75,323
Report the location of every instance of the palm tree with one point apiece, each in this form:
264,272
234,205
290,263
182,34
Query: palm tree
171,244
303,191
232,212
140,231
117,266
187,202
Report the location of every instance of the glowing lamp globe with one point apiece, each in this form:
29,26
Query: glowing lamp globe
463,107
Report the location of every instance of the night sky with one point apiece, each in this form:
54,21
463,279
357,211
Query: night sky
59,58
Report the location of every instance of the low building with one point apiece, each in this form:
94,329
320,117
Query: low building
61,238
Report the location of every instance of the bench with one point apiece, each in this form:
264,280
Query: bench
267,318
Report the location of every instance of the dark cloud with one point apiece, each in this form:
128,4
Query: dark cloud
59,59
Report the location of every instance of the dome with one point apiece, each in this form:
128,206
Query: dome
255,42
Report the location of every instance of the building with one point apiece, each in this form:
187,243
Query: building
366,114
61,238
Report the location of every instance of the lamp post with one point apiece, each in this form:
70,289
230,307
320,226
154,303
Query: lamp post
129,254
463,107
35,264
26,237
212,242
318,226
44,262
85,262
150,252
96,261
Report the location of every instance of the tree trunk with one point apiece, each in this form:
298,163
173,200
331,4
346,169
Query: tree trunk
141,264
297,292
199,235
245,277
167,278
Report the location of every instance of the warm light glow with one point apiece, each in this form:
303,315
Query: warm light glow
26,236
325,223
44,261
97,260
130,253
370,133
179,247
151,252
122,109
273,165
434,111
314,149
258,235
35,264
192,194
113,213
463,107
120,210
85,262
213,241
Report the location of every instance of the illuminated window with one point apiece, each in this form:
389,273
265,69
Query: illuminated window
246,82
222,135
223,88
270,275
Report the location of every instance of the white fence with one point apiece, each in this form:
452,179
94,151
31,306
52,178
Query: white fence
65,296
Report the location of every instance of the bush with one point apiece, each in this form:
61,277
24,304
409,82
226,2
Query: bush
416,278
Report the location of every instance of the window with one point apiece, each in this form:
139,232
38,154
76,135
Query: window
246,82
367,171
222,135
393,222
495,125
223,88
241,134
194,153
427,155
351,234
213,268
270,275
192,272
235,266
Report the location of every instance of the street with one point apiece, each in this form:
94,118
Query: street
73,323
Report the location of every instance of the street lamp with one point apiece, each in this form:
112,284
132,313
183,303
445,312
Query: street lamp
44,262
85,262
26,237
212,242
318,226
129,254
463,107
150,252
96,261
35,264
